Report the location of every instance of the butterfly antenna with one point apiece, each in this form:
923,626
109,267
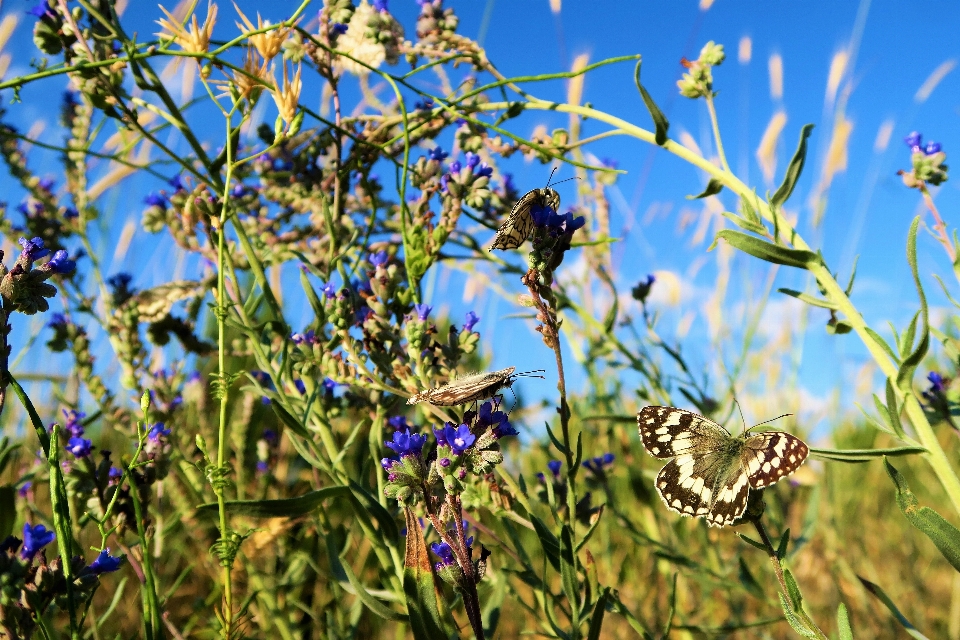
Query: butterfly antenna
530,374
770,420
742,419
552,171
566,180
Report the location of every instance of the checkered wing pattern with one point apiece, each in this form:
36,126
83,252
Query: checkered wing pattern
466,389
768,457
710,472
516,228
668,432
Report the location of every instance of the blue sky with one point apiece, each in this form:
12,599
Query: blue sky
893,50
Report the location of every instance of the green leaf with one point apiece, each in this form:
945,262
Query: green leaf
853,276
784,541
893,410
38,427
864,455
713,188
281,508
349,581
793,589
418,584
906,339
743,223
659,120
631,619
312,297
752,542
809,299
944,535
883,343
749,582
8,510
879,594
289,421
673,607
768,251
599,609
793,169
843,623
363,499
793,620
909,365
568,573
549,542
593,527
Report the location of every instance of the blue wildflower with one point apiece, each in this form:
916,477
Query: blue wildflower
444,179
329,290
936,382
24,489
71,213
156,200
378,259
61,263
114,475
472,160
642,290
545,216
423,311
34,539
508,185
457,438
932,148
504,428
437,154
398,423
424,105
42,10
33,249
57,320
443,551
914,139
158,431
270,437
73,418
485,171
338,28
177,183
105,563
554,466
471,321
405,443
329,384
455,166
380,5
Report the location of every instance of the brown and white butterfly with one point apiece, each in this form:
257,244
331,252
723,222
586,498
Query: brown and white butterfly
469,388
711,472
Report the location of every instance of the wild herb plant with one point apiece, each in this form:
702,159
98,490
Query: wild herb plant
268,479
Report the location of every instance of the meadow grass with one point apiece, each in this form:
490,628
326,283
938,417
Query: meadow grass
206,465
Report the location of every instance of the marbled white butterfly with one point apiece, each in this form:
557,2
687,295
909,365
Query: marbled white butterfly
711,471
469,388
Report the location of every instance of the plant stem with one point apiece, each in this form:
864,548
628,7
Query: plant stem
716,131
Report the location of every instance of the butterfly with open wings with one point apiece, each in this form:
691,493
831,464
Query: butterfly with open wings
711,472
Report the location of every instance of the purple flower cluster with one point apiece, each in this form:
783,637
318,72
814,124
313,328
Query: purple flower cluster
423,311
34,539
405,443
471,321
477,168
459,438
915,142
546,217
598,464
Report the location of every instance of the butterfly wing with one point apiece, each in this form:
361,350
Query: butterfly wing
771,456
730,500
687,483
516,228
668,432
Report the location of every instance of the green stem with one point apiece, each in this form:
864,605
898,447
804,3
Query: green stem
716,131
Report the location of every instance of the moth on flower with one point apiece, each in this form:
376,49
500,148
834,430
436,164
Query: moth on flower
470,388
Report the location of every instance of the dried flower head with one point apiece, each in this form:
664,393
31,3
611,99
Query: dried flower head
197,39
254,77
287,96
269,43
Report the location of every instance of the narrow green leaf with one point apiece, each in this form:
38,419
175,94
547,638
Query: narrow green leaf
8,510
281,508
549,542
767,250
752,542
909,365
784,542
946,291
843,623
949,347
793,620
418,584
907,337
864,455
793,169
363,499
289,421
35,420
809,299
599,609
743,223
749,582
853,276
883,343
793,589
349,581
882,426
944,535
312,297
659,120
568,573
879,594
713,187
589,534
893,410
673,607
